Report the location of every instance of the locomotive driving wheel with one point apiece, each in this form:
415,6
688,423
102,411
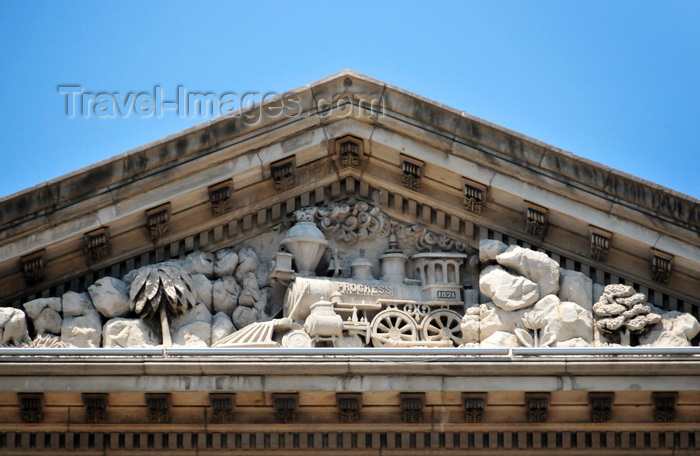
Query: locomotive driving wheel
443,325
391,327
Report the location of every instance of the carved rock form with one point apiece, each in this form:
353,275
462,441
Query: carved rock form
243,316
221,327
676,329
489,249
576,287
620,311
535,266
45,316
507,291
470,325
567,321
248,262
110,297
226,263
82,325
200,263
13,326
494,319
225,295
352,221
127,333
500,339
203,290
251,292
193,329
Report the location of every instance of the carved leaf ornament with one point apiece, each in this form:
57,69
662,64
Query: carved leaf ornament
156,285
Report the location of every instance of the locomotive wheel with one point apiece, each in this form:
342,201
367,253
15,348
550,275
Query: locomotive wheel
443,325
392,326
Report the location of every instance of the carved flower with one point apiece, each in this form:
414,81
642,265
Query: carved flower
533,320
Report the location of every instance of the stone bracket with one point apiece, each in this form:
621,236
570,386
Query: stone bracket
601,406
474,405
158,221
31,407
661,265
349,150
220,197
535,219
159,406
412,172
34,266
284,173
349,405
222,405
537,405
95,407
286,405
97,244
600,243
473,195
664,406
412,405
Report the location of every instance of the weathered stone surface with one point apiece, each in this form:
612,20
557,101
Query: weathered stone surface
13,326
126,332
494,319
193,329
533,265
568,320
489,249
76,304
576,287
248,261
225,295
221,327
675,330
243,316
500,339
48,321
251,292
226,263
507,291
84,331
34,308
203,289
572,343
110,297
200,263
470,325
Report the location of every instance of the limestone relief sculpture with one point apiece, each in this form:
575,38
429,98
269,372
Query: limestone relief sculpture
346,275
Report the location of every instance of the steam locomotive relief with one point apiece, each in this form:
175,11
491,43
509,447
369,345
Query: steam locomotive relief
361,310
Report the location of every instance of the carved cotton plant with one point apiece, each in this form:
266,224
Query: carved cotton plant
534,321
621,311
165,289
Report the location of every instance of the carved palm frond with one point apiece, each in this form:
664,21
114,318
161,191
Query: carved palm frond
163,285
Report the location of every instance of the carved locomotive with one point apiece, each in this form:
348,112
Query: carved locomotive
352,312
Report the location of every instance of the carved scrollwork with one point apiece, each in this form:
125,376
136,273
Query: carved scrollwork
352,221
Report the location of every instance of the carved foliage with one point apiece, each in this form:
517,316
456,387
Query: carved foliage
537,405
601,406
661,264
34,266
535,220
96,244
620,311
412,407
349,405
220,197
158,407
664,406
283,174
31,407
285,406
222,407
416,237
412,172
158,221
352,221
95,407
474,405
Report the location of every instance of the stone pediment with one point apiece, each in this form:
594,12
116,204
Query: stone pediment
239,179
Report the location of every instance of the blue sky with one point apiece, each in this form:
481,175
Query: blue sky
617,82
